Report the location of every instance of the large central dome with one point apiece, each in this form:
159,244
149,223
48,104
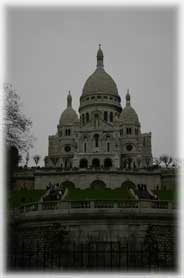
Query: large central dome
100,81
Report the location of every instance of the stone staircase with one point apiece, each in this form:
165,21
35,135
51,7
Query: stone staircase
143,193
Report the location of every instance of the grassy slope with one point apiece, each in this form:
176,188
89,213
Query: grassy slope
98,194
17,198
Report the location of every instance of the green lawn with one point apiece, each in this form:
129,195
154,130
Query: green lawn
76,194
19,197
166,195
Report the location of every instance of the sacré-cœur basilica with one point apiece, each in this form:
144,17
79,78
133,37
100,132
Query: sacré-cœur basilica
103,147
106,135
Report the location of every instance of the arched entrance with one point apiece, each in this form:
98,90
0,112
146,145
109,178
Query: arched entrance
107,163
68,184
98,184
128,184
83,163
96,163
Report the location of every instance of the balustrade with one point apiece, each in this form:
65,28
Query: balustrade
97,204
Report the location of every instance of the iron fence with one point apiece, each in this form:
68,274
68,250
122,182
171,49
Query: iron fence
92,256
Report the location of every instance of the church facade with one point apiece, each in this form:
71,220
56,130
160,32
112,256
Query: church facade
102,146
105,135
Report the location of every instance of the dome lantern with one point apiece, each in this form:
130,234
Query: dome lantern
127,98
69,100
100,81
100,57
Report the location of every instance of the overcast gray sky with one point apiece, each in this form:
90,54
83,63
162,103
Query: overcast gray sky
53,50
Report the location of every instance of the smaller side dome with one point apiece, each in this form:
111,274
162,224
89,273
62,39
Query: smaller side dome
128,114
69,116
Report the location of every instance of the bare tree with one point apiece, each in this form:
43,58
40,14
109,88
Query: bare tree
36,158
166,159
156,161
27,158
17,125
147,160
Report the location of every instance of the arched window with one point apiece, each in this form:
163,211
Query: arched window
67,132
85,147
87,117
83,163
96,120
96,137
105,116
111,117
129,130
83,119
96,163
144,141
108,147
107,163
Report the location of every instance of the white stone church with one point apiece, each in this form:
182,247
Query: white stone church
106,135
